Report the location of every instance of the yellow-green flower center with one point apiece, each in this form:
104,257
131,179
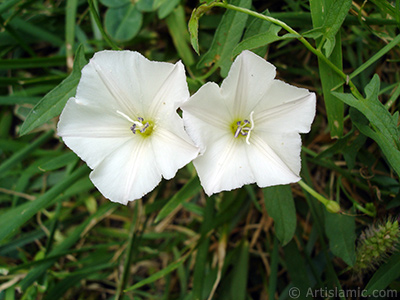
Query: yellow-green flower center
142,127
243,127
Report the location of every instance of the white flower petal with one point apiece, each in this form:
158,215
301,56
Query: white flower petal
128,173
208,105
256,138
224,165
267,166
81,120
123,122
110,82
128,82
246,83
204,116
172,148
92,132
171,89
286,109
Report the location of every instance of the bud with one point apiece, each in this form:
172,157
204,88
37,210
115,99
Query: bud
332,207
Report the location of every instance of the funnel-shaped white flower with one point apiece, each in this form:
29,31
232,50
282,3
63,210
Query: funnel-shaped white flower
123,123
248,129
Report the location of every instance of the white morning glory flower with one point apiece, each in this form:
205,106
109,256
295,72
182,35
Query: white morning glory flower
123,123
248,129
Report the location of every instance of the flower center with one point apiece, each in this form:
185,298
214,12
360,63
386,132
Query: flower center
141,126
144,128
243,128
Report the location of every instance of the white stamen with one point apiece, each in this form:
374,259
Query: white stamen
126,117
251,128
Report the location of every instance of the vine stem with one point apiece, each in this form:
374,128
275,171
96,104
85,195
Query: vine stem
331,206
289,29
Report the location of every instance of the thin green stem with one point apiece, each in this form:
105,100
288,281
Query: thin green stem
355,203
289,29
331,206
100,26
313,193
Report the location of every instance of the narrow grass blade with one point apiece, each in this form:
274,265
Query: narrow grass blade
376,56
189,190
37,32
52,104
130,249
97,20
385,275
67,243
24,152
14,218
70,16
180,36
240,273
273,278
202,252
160,274
27,63
329,78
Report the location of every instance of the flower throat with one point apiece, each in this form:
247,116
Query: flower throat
243,128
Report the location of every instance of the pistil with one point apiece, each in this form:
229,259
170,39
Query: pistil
244,128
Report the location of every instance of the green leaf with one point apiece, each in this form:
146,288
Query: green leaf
226,38
148,5
240,273
296,267
189,190
53,103
166,8
261,39
329,78
280,206
115,3
385,275
340,230
336,13
194,26
123,23
383,125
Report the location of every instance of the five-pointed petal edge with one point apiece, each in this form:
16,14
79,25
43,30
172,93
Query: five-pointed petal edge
281,112
116,87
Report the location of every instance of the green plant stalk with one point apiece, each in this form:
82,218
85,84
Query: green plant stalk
100,26
355,203
289,29
331,206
